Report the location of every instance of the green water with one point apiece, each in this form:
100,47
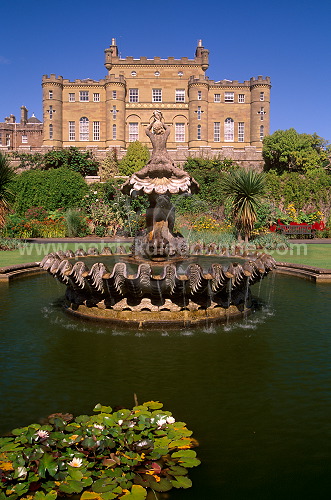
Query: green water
256,393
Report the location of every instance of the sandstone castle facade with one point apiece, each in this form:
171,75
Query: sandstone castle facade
206,117
203,114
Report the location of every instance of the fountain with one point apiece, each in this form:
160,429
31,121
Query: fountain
162,280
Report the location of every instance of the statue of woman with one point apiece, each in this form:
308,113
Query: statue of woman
160,175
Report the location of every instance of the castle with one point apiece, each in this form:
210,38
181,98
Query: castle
206,117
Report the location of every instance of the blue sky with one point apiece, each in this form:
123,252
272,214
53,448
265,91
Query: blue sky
288,41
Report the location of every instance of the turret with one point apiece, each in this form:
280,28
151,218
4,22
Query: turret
24,115
202,55
115,110
198,111
260,109
52,106
110,54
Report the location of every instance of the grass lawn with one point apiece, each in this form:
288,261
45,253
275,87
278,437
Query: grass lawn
318,255
34,252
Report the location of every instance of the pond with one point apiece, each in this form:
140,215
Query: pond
256,392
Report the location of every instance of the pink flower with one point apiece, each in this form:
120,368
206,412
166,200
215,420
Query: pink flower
76,462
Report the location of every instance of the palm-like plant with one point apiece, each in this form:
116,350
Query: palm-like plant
245,188
6,196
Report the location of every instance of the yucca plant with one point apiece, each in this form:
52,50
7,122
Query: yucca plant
6,196
245,189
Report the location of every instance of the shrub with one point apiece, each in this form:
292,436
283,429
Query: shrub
136,157
72,158
53,189
76,224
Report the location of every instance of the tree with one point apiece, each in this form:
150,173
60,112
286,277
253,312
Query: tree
136,157
109,166
208,173
72,158
287,150
53,189
6,197
245,189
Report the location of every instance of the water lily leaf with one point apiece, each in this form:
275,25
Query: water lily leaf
177,470
75,473
103,409
153,405
103,485
137,493
39,495
184,454
181,482
190,462
88,443
11,447
47,464
162,485
71,486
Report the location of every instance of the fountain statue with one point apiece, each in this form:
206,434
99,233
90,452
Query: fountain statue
162,280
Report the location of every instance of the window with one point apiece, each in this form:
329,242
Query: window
228,130
180,95
72,97
0,139
51,131
133,132
157,95
241,132
83,95
157,73
50,94
133,73
114,94
96,131
199,95
84,129
114,132
24,139
50,111
199,113
229,97
180,132
217,97
199,132
72,131
96,97
114,112
8,138
241,98
261,113
261,96
261,133
133,95
217,131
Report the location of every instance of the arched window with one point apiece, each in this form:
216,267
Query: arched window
114,132
199,133
51,131
228,130
84,129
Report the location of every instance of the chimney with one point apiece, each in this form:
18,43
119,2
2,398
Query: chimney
24,115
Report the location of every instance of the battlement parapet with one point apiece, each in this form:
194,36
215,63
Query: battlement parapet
60,80
260,81
115,79
156,61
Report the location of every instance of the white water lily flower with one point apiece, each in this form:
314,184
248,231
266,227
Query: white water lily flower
76,462
98,426
42,434
132,424
170,420
22,472
161,422
120,422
